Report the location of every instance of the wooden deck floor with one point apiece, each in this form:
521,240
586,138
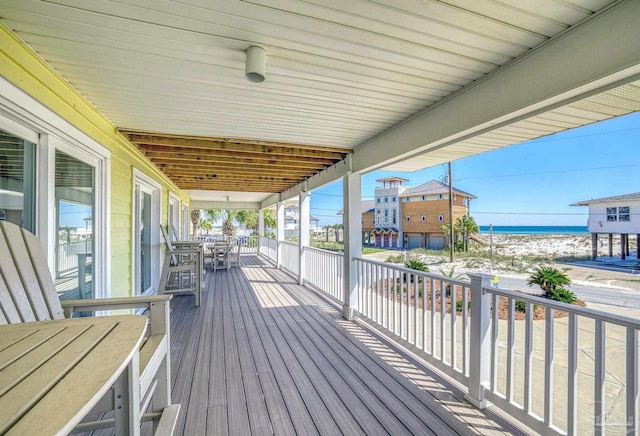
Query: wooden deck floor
263,355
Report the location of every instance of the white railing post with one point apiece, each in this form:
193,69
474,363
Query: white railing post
279,232
352,223
304,230
260,223
479,340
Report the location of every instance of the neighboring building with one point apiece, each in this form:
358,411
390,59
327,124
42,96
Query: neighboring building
620,215
292,221
401,217
387,230
425,209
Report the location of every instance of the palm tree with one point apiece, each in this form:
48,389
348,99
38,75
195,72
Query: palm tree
465,225
549,279
67,232
195,218
228,229
205,224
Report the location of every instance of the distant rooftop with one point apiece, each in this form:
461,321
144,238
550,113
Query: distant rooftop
434,187
635,196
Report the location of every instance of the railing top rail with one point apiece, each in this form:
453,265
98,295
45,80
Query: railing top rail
293,244
595,314
322,250
428,275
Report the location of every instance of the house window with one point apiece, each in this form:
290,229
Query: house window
623,214
440,197
394,216
440,218
424,197
612,214
424,219
386,199
407,219
393,199
378,199
408,199
386,215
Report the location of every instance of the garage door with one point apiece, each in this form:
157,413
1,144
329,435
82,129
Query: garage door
414,242
436,242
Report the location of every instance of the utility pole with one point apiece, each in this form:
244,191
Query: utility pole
450,214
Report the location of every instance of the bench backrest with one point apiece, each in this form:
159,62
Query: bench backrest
27,290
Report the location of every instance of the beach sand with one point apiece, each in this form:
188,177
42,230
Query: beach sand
518,256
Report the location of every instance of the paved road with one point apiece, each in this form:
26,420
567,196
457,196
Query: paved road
628,299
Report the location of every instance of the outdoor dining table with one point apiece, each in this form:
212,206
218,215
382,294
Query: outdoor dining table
52,373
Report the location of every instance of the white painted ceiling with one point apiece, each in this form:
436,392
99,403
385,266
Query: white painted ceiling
339,72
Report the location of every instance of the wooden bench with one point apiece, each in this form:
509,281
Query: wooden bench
27,293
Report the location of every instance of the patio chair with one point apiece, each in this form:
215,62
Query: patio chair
182,269
234,254
28,293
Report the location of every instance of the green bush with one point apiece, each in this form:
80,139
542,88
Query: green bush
395,258
562,295
417,265
521,306
459,305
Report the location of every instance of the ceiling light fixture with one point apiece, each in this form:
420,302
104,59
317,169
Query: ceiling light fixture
256,64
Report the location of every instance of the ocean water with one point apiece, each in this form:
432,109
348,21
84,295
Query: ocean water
537,230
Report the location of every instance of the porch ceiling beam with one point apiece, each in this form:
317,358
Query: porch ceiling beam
599,54
231,163
230,169
236,146
153,151
231,187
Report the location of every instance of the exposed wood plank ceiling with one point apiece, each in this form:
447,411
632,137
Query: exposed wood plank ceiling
219,164
339,73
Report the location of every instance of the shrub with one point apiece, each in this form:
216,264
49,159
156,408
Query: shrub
548,278
417,265
459,305
521,306
394,258
562,295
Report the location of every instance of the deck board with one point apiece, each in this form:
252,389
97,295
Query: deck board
263,355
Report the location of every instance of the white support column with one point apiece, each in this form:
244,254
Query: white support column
261,223
479,340
279,231
352,221
304,214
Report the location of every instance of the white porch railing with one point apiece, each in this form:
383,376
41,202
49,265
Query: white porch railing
324,271
290,257
268,248
413,307
576,374
67,254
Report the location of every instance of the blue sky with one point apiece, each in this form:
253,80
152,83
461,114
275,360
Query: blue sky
531,183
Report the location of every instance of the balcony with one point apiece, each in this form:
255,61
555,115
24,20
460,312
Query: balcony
265,355
266,351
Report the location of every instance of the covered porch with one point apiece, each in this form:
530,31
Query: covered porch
265,355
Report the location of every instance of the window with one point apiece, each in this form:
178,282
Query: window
424,219
146,228
393,199
440,218
386,215
394,216
612,214
623,213
408,199
17,181
440,196
424,197
174,217
386,199
378,199
407,219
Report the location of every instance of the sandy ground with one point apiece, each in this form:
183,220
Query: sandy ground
518,255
